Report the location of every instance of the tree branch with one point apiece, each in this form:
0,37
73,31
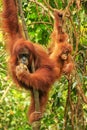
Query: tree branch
22,17
6,91
42,6
36,124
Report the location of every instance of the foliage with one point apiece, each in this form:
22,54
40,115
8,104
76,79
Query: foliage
64,111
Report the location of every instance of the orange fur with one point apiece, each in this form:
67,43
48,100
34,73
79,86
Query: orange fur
45,72
59,46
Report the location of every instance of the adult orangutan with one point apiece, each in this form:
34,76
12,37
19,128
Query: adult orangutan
22,54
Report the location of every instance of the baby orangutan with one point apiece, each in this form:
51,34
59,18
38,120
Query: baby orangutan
60,50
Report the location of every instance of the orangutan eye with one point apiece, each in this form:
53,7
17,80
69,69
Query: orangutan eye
23,55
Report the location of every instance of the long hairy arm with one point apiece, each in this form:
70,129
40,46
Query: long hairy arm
41,79
10,23
10,18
